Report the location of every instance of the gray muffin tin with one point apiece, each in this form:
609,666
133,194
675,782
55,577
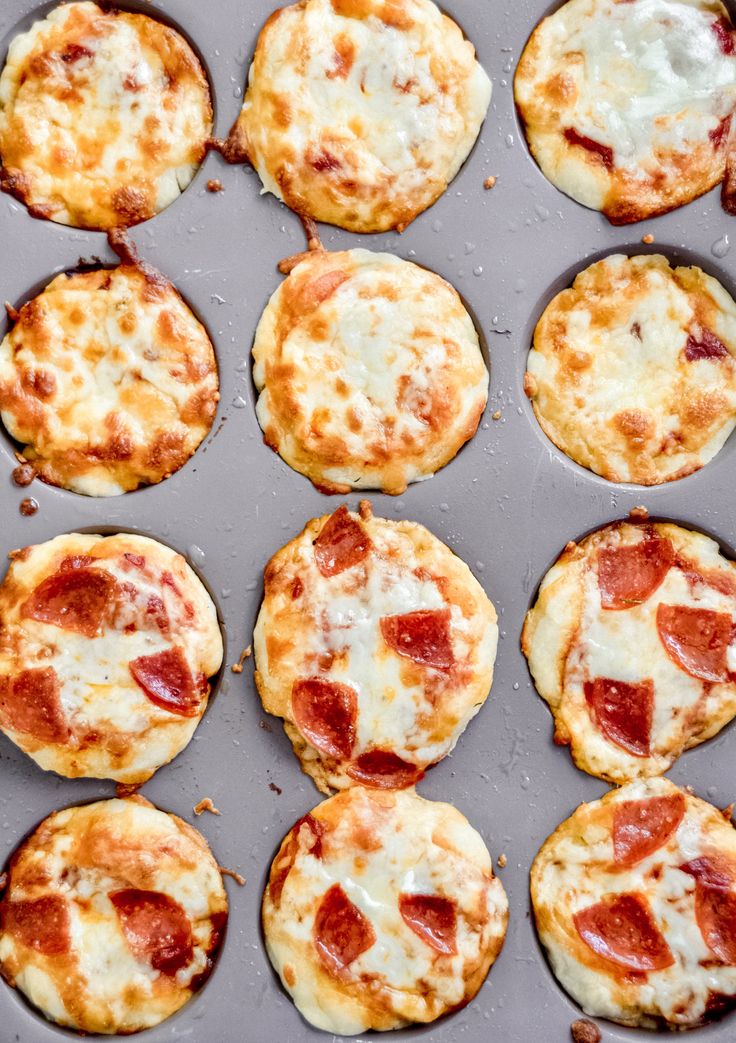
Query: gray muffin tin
507,505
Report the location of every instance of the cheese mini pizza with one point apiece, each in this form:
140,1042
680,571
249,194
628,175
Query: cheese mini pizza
360,112
382,909
107,380
107,644
369,371
633,369
635,902
112,916
632,642
376,645
627,104
104,116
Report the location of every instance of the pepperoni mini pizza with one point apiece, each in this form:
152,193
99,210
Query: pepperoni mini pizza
632,642
635,902
107,380
106,648
376,645
627,104
104,115
112,916
369,371
360,112
633,369
382,909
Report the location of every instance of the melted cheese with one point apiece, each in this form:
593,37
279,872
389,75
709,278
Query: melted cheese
360,112
103,116
369,371
407,845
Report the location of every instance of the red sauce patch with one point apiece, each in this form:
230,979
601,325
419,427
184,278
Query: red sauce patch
341,932
705,345
382,769
325,712
719,135
341,544
287,858
423,636
433,919
603,152
621,930
628,575
167,681
641,827
696,640
41,923
724,32
715,905
155,927
30,703
74,598
623,712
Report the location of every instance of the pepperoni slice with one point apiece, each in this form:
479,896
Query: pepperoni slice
30,703
715,905
641,827
696,640
621,930
623,712
325,712
74,598
341,544
382,769
603,152
724,32
705,345
341,932
41,923
167,681
433,919
628,575
155,927
313,844
423,636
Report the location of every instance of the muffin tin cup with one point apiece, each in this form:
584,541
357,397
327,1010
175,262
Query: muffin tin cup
507,505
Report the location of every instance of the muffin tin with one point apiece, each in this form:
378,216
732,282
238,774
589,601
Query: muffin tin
507,505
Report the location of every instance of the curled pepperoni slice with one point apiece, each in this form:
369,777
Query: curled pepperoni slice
621,930
341,932
641,827
705,345
40,923
325,712
341,544
382,769
433,919
155,927
603,152
423,636
75,598
696,640
307,833
623,712
715,905
711,871
628,575
167,681
30,703
724,33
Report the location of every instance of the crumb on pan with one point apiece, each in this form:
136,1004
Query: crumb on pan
28,507
23,474
206,804
639,513
502,860
496,415
648,238
275,788
490,182
585,1031
237,668
240,880
215,185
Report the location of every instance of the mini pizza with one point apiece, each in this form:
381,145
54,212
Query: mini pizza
369,371
633,369
382,909
632,643
107,380
376,645
107,644
360,112
112,916
627,104
104,116
635,903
